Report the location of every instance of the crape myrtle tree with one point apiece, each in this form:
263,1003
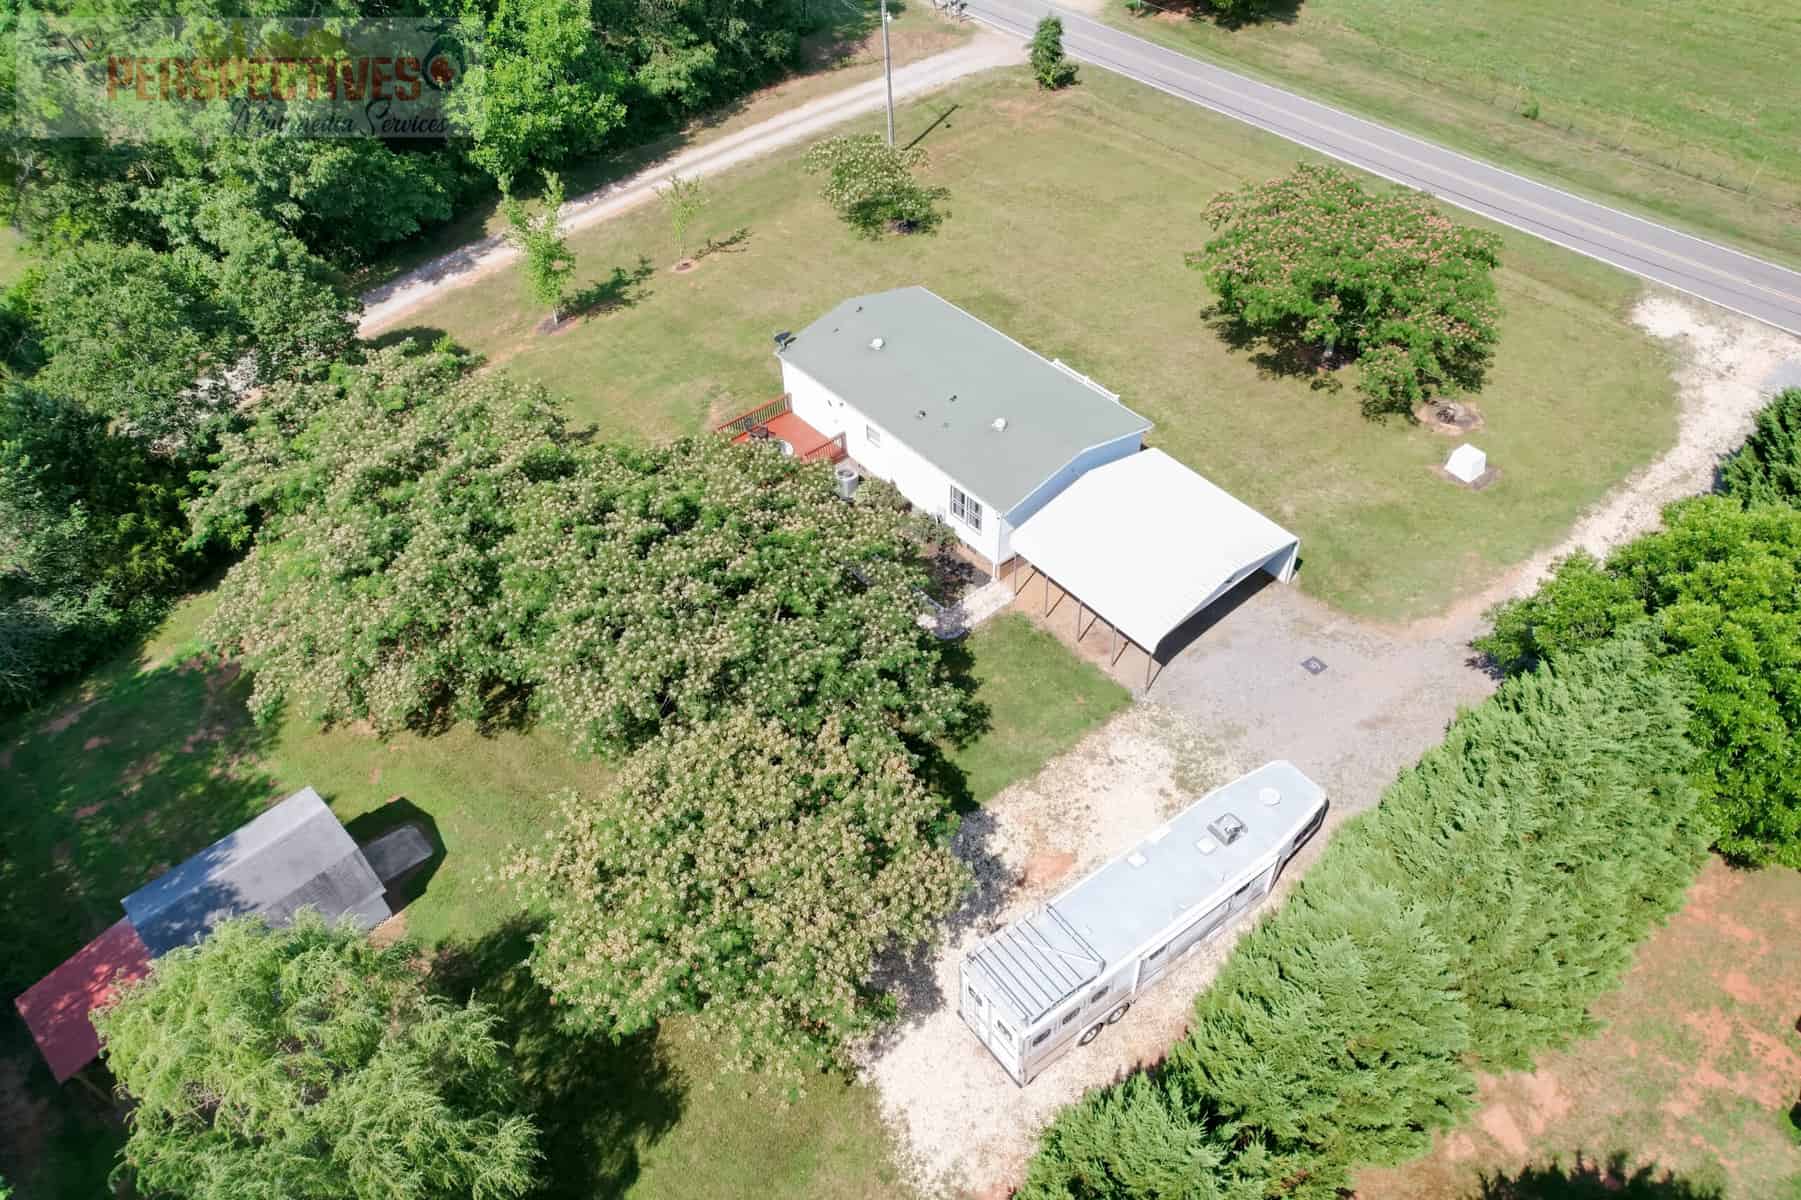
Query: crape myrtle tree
679,583
307,1063
870,184
1719,588
383,496
749,876
1312,260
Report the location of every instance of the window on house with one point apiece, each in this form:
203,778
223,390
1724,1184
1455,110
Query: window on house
965,508
872,435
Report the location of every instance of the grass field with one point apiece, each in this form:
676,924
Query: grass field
1070,213
154,757
1681,111
1695,1076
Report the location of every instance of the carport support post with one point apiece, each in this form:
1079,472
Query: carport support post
1078,621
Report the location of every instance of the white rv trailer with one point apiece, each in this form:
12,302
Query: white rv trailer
1055,977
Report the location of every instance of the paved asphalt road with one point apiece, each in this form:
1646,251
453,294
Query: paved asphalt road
1726,277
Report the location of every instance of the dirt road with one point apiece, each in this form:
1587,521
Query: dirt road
387,305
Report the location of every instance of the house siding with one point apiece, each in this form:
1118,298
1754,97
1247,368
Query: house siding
922,483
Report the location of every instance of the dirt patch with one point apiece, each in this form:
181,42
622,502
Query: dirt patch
65,719
94,743
389,931
88,810
1453,418
1696,1059
965,1125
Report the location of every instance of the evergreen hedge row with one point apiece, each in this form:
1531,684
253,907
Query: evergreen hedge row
1467,922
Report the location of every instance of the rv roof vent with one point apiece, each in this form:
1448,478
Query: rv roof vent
1227,829
876,343
1207,844
1000,425
1136,858
1270,796
921,414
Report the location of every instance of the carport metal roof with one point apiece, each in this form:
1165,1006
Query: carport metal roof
1147,543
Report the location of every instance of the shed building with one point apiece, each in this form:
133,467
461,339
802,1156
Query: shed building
294,855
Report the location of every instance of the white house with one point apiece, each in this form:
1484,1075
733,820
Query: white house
1022,457
967,423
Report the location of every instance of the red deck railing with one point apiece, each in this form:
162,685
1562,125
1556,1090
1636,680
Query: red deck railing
760,415
777,420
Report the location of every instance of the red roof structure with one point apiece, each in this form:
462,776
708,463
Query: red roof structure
56,1007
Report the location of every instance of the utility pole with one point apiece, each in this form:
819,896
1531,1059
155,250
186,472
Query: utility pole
888,72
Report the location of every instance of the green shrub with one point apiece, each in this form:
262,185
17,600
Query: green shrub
1468,921
1049,66
1767,469
1311,260
1720,590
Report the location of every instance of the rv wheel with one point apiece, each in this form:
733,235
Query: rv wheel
1091,1034
1114,1016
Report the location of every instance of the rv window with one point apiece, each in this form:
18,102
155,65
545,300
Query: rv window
1100,994
1005,1034
1039,1040
1072,1014
1158,951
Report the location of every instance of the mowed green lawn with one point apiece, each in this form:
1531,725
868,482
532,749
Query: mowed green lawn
1069,216
1683,111
154,757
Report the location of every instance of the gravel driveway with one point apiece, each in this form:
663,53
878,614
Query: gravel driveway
1235,698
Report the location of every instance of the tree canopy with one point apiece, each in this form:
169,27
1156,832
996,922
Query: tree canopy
1311,259
1719,589
747,875
307,1063
870,184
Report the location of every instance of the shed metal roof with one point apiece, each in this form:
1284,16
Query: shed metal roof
1112,913
941,378
56,1007
296,854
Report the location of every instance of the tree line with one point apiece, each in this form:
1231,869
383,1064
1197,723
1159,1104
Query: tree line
175,278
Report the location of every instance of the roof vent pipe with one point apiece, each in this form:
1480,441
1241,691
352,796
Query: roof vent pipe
1000,425
876,343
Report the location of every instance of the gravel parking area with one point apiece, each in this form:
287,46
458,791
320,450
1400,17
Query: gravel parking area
968,1127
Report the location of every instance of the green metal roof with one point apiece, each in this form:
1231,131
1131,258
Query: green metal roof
941,378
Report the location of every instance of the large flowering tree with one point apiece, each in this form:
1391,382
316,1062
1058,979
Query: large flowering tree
746,875
436,546
384,498
681,583
1312,259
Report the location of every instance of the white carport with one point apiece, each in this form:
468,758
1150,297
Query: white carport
1145,544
